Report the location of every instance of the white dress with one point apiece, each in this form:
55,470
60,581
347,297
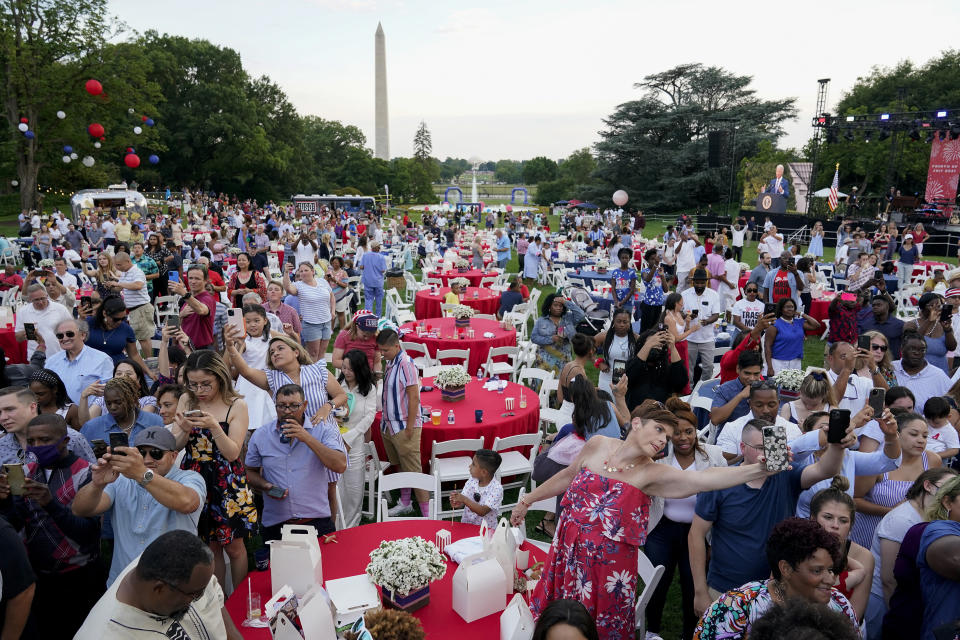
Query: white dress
259,402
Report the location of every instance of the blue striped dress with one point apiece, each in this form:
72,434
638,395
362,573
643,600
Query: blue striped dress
886,493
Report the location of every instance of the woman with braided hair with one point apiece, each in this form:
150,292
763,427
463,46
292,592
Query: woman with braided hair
52,396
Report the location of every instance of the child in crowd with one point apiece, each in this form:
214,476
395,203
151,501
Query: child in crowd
482,495
942,438
624,280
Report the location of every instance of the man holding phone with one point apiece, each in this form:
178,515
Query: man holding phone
42,316
850,389
292,442
700,344
148,493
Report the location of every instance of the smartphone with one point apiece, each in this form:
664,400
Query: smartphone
31,330
769,307
99,447
661,327
694,313
863,342
877,400
276,492
618,369
775,447
946,311
173,276
118,440
85,300
15,478
839,421
196,413
173,321
235,317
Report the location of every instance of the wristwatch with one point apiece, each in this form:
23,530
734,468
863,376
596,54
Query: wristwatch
187,295
147,478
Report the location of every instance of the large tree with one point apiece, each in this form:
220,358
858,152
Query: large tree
539,169
656,147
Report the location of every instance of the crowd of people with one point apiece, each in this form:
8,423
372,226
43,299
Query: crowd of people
180,399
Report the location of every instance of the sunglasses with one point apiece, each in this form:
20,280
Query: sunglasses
153,452
878,347
750,290
65,334
118,318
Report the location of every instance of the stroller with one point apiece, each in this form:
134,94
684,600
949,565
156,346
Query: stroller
594,317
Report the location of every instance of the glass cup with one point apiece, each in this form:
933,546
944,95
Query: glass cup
254,610
435,417
508,401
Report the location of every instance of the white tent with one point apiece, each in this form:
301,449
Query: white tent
825,192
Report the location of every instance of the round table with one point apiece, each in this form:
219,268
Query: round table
445,330
427,304
820,311
15,352
350,556
494,424
473,275
589,276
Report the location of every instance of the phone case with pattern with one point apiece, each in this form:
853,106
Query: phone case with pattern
775,448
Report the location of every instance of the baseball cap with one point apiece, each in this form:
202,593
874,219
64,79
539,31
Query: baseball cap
908,236
952,293
159,437
365,321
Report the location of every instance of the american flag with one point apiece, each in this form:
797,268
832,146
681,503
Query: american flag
832,198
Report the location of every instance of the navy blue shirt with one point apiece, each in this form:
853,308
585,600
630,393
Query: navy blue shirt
726,392
892,329
909,256
114,342
742,519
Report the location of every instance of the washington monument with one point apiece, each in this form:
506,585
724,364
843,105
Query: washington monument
382,136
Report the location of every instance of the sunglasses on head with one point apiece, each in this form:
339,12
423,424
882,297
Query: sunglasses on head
65,334
153,452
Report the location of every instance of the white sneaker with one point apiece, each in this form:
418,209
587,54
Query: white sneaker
400,509
653,636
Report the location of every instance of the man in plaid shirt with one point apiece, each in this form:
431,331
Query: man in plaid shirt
400,422
63,548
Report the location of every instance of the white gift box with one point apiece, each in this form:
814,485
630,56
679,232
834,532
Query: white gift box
313,611
503,546
350,599
443,539
478,587
295,559
516,621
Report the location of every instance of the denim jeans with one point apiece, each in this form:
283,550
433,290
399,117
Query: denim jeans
373,299
667,545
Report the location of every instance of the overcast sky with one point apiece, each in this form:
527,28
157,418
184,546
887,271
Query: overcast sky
525,78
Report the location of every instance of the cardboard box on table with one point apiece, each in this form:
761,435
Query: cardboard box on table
478,587
516,621
314,612
503,546
350,599
295,559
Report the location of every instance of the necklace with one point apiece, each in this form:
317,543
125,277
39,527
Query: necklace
778,591
609,469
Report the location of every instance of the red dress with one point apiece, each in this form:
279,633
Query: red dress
593,558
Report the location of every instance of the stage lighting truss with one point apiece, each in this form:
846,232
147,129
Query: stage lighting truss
940,122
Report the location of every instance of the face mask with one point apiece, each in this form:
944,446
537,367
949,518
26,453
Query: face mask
46,454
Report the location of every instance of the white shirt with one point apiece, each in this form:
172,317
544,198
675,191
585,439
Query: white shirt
708,303
929,382
748,312
767,225
46,322
306,253
108,231
72,257
685,255
134,297
729,439
856,394
738,237
69,280
733,276
942,438
774,246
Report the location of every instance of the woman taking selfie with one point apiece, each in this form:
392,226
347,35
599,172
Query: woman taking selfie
616,346
211,425
656,371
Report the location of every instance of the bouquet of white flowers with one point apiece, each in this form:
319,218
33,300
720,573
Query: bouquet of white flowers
789,379
46,262
461,264
463,282
406,565
233,250
452,377
462,311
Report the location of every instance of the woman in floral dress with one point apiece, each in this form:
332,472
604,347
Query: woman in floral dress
593,558
214,442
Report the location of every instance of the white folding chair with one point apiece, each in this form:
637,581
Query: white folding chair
548,415
431,371
509,367
488,281
423,360
437,282
548,505
651,578
446,308
372,469
528,374
457,354
412,286
514,463
407,480
452,469
485,316
340,522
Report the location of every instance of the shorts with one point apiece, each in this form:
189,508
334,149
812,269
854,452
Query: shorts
343,305
316,331
141,319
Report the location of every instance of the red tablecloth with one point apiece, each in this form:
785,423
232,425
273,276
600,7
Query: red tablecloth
926,267
427,305
478,345
350,556
473,275
819,311
465,425
16,352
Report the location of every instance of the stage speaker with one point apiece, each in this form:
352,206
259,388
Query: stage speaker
716,141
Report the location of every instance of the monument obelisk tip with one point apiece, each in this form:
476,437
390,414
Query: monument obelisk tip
382,120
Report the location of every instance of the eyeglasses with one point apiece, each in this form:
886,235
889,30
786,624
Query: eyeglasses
65,334
36,300
153,452
200,386
193,596
750,290
879,347
288,407
118,318
756,447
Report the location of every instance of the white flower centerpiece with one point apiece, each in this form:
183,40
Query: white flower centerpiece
463,282
788,381
462,314
452,382
46,263
462,265
404,570
602,266
233,251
